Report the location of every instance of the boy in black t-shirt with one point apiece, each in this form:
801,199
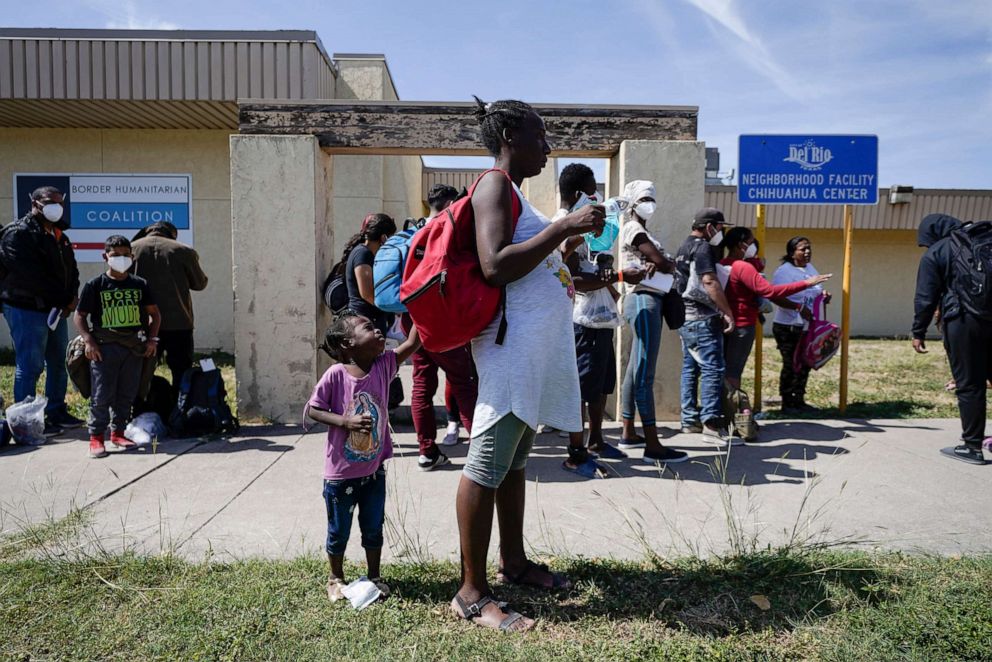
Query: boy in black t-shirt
122,330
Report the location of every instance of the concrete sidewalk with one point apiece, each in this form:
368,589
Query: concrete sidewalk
876,483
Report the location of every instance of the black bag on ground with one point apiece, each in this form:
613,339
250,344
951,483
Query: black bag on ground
201,408
971,267
161,399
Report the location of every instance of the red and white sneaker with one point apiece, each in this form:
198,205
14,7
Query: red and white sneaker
97,449
120,441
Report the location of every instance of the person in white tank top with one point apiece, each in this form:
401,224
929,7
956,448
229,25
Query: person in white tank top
531,378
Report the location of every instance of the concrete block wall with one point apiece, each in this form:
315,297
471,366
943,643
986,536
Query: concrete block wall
276,306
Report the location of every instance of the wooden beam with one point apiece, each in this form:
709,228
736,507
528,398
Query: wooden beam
390,127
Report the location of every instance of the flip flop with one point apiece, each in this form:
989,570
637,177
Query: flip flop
608,452
588,469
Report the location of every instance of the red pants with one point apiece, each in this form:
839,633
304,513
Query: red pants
459,371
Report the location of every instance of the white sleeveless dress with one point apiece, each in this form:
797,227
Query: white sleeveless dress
533,374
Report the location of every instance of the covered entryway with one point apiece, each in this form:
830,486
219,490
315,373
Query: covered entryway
287,219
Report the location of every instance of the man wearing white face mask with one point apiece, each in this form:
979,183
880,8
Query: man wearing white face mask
39,281
708,317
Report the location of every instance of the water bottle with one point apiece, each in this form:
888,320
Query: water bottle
611,230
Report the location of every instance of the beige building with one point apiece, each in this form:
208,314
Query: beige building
142,102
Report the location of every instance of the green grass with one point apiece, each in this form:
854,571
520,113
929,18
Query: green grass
824,605
887,379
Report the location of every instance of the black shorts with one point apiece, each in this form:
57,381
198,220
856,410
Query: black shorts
596,358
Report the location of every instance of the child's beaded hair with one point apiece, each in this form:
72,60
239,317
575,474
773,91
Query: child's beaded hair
337,334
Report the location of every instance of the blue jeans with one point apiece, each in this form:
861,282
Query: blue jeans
342,497
642,310
702,366
37,348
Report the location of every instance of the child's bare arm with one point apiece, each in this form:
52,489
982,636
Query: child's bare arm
408,346
356,423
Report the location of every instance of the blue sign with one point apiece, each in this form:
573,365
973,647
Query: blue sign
128,216
808,170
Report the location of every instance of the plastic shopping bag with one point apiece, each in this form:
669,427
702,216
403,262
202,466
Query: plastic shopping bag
27,420
596,310
144,428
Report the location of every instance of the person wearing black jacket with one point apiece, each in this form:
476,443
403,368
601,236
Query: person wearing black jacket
40,278
967,337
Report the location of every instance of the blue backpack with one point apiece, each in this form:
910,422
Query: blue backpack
387,269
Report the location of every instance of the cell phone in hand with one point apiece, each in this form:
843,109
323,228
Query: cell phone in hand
604,261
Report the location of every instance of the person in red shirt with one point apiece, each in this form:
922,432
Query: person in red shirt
744,286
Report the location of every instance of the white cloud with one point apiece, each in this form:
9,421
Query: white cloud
750,49
128,16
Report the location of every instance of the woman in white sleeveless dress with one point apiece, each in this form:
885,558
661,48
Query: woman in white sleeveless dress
528,379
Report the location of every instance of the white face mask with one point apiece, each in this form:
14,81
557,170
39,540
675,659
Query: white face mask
586,200
645,210
52,212
751,251
120,263
717,239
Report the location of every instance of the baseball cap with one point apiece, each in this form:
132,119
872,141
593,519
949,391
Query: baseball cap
708,215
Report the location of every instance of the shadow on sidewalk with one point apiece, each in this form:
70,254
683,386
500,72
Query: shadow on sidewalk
768,462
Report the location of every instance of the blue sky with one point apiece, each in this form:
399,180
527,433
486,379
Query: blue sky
918,73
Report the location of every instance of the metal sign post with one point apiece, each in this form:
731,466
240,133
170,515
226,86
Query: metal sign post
759,234
845,324
810,170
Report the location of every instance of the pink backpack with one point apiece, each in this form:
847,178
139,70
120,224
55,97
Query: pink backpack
820,342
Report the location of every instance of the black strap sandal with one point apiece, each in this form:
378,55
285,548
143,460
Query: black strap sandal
577,456
558,580
474,610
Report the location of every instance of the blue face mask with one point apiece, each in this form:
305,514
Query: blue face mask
585,200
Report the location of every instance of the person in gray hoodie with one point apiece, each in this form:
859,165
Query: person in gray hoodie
967,337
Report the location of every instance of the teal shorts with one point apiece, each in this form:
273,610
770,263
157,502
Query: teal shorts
502,448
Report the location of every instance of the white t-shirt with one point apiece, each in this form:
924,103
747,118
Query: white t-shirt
790,273
532,374
630,256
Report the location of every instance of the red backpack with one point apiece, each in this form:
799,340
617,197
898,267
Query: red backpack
443,288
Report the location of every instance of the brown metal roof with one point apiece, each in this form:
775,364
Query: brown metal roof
965,204
162,73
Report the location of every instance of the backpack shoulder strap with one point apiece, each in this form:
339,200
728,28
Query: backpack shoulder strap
515,203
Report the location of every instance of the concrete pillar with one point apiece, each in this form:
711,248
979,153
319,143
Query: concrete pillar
542,191
676,168
280,227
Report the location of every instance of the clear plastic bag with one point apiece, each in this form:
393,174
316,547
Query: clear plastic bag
596,310
144,428
27,420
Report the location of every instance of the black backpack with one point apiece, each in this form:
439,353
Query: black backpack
335,293
161,399
201,408
971,267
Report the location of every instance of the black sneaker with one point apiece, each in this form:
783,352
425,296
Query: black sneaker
431,463
52,429
965,453
64,419
667,456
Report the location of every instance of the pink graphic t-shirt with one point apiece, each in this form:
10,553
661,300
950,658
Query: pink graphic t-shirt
356,454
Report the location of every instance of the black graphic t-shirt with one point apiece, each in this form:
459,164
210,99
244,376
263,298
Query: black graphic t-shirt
116,304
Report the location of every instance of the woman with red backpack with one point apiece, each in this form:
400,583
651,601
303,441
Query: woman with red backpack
525,359
791,320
